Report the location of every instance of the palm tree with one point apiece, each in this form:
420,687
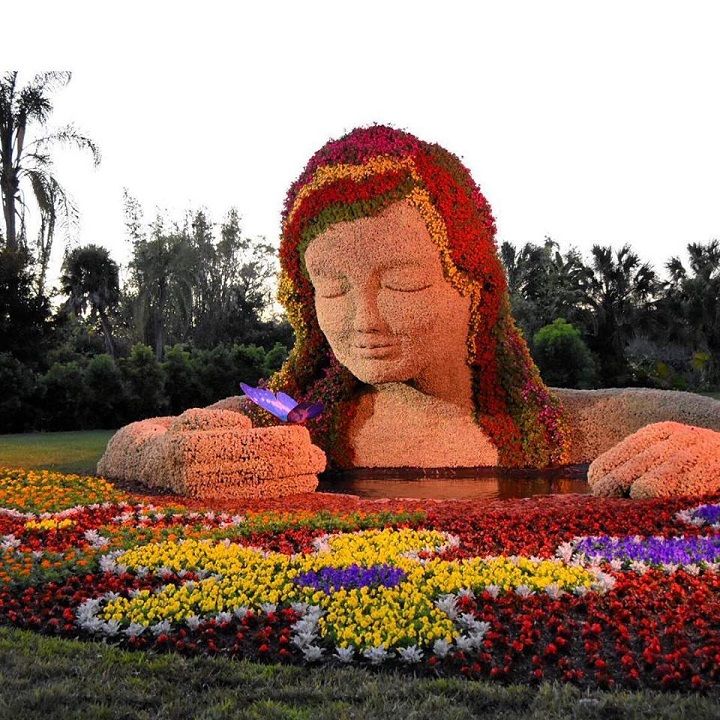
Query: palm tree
24,162
622,292
90,278
692,298
544,284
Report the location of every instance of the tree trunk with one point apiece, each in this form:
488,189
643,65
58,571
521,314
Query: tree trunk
109,343
9,189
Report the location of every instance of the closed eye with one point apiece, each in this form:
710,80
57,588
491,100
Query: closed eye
334,289
407,289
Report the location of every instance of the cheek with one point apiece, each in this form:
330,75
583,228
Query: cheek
410,314
332,316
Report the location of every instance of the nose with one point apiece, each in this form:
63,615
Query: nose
367,318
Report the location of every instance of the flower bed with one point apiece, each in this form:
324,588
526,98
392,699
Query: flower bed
594,591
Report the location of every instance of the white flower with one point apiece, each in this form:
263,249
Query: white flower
470,622
476,638
108,562
135,629
448,605
240,612
93,624
553,590
409,655
268,608
603,582
95,539
441,647
493,590
160,627
193,622
312,653
37,554
376,655
10,542
524,591
464,643
304,639
299,607
466,593
345,655
639,566
223,617
565,551
111,627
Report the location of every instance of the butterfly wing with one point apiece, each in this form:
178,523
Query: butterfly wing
304,411
279,405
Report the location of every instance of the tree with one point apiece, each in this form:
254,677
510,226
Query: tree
188,285
163,272
23,162
562,356
622,295
691,303
545,284
23,314
90,277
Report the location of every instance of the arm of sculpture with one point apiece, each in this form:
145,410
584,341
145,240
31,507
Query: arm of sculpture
214,453
644,442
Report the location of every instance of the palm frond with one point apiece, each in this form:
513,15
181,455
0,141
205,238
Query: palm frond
70,136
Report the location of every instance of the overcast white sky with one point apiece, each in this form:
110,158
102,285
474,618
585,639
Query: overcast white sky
589,122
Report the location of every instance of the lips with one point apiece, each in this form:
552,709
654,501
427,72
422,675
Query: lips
374,350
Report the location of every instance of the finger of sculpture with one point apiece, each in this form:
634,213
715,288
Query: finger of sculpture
662,459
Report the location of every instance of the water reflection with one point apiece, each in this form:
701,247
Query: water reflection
445,484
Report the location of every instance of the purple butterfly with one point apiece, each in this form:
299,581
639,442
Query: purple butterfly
282,405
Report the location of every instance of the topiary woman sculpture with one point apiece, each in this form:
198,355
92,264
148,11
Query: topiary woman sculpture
391,279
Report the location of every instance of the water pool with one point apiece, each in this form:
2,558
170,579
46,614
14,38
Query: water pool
451,483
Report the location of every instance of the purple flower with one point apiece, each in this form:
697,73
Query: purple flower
709,513
354,576
652,550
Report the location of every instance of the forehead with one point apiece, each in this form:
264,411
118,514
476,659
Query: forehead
398,234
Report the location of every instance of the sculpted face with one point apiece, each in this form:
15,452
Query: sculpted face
383,303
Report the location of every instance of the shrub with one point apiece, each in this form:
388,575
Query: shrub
182,384
145,382
563,357
274,359
18,381
64,397
107,393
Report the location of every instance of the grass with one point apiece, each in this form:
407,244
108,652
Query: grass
70,452
53,679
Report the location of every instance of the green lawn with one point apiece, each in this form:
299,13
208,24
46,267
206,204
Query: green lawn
71,452
60,679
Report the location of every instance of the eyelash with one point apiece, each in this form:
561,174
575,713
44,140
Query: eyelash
386,287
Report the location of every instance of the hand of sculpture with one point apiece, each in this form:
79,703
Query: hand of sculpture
660,460
214,453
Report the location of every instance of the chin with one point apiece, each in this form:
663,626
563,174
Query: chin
377,372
